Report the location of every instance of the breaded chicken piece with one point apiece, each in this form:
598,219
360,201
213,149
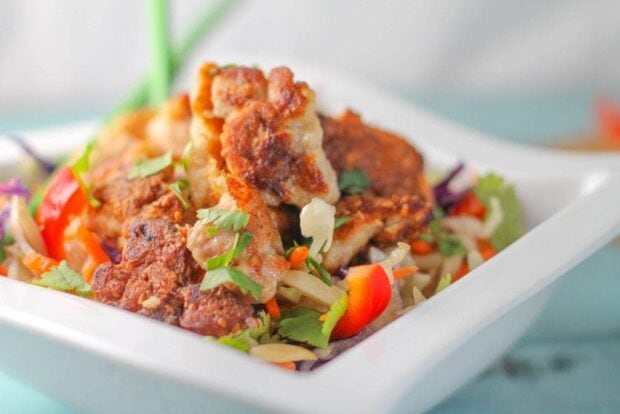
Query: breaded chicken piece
263,259
392,164
205,166
169,129
155,263
266,133
122,199
384,220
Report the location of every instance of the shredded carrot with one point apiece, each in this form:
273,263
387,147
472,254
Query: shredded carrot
38,263
4,271
323,317
486,249
422,247
273,308
404,272
290,365
298,256
463,270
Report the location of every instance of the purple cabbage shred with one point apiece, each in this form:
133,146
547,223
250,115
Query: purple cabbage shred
14,187
4,220
113,253
444,197
45,165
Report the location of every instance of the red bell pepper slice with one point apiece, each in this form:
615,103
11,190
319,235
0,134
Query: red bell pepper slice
608,119
369,293
64,199
469,206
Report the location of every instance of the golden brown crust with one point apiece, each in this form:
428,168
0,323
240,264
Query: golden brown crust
391,163
270,137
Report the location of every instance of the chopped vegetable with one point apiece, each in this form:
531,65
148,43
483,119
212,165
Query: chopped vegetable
404,272
64,198
469,206
47,166
511,227
316,268
369,294
37,263
14,187
298,256
273,308
177,188
65,279
224,219
463,270
239,245
281,353
341,221
421,246
289,365
444,282
146,168
443,195
249,337
353,181
312,287
83,249
608,119
449,246
305,324
82,163
216,277
486,249
316,220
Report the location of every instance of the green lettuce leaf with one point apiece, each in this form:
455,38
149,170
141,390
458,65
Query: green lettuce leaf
511,227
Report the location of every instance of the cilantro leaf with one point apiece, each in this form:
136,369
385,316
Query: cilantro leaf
353,181
304,324
224,259
341,221
65,279
226,274
511,227
146,168
316,268
177,188
244,340
224,219
450,246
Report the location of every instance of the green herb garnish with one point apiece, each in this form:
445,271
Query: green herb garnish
316,268
224,219
450,246
221,275
244,340
146,168
341,221
65,279
353,181
177,188
305,325
224,259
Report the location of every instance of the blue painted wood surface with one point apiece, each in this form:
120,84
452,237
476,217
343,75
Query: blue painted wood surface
569,361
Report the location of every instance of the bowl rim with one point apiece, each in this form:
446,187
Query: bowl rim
398,354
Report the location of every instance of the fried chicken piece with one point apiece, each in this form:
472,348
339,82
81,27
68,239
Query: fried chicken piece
262,131
262,260
155,264
384,220
122,199
169,129
216,312
392,164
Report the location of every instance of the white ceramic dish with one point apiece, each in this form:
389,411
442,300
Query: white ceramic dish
101,359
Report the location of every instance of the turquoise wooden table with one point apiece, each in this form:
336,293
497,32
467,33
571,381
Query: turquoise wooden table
568,362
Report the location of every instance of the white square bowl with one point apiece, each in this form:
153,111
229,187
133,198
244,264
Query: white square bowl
101,359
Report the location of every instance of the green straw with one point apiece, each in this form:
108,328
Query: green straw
204,24
159,48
